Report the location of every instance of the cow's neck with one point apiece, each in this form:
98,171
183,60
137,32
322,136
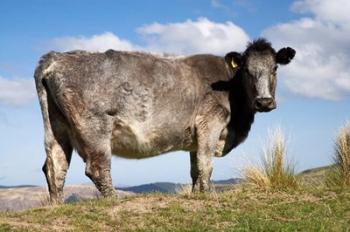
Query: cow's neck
242,116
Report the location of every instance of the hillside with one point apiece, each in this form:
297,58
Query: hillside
240,208
314,176
168,187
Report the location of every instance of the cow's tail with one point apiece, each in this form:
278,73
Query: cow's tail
41,75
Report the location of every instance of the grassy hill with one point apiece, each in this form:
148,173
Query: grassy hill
242,209
315,176
239,209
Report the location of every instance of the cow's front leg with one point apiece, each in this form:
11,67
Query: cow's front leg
194,171
208,131
201,169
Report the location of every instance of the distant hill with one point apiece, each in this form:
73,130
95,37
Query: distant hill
17,186
314,176
163,187
319,170
168,187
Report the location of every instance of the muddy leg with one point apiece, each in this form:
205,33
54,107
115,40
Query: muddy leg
58,149
59,153
98,166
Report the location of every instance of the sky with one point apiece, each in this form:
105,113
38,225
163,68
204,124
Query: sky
313,91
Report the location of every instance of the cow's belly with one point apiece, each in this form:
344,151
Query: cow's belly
135,140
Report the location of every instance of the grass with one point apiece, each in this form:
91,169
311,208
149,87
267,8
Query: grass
274,173
184,190
339,175
241,209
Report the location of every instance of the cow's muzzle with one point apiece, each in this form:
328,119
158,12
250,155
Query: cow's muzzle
264,104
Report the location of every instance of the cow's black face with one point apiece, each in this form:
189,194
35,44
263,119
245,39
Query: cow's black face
257,68
259,78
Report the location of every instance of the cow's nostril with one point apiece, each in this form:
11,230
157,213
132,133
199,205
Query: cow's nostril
264,104
258,103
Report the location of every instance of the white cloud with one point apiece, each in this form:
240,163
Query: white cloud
325,10
16,92
200,36
100,43
321,67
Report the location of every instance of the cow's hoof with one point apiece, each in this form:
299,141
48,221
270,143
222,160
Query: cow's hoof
54,201
110,194
202,189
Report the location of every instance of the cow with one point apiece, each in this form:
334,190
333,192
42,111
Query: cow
138,105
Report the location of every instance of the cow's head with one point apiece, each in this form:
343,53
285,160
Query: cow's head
257,67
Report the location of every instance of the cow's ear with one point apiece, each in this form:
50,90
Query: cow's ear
285,55
234,60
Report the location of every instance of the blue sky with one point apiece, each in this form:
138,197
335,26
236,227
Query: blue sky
313,91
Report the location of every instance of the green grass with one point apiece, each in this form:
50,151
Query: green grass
241,209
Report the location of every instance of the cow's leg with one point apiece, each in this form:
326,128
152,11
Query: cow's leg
209,129
91,133
98,166
95,149
202,170
58,150
194,171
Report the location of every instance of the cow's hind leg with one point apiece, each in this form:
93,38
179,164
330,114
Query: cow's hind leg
98,169
58,157
91,134
58,151
94,146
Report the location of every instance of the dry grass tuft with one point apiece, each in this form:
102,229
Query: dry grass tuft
340,175
256,176
274,173
184,190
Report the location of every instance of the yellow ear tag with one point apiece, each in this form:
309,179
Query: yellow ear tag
233,64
